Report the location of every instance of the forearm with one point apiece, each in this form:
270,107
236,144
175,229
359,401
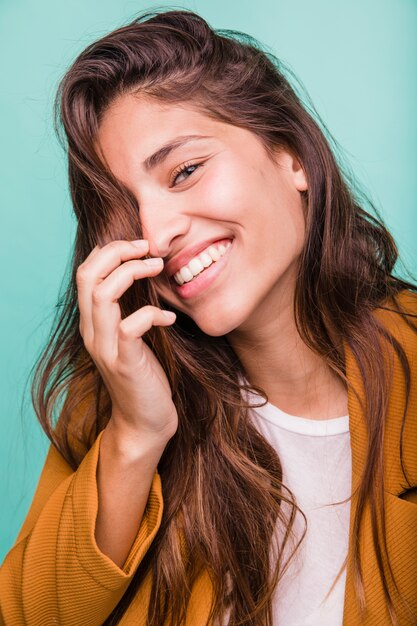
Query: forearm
124,476
57,558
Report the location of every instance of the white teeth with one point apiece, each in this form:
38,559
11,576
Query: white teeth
206,259
196,266
200,262
214,253
186,274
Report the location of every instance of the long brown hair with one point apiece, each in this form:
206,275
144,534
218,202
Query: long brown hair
222,481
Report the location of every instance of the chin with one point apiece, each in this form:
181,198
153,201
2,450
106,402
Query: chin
212,327
221,323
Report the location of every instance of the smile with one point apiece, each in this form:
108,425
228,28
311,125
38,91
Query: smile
200,262
202,270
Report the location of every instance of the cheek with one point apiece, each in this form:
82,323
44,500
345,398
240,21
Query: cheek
296,223
275,223
286,221
222,194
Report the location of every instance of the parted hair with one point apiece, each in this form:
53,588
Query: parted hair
222,481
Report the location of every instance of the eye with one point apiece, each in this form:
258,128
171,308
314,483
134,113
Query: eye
183,169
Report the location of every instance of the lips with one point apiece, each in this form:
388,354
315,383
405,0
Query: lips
185,256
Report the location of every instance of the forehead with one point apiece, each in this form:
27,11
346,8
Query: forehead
148,123
134,127
146,110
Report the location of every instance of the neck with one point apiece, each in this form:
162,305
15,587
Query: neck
276,359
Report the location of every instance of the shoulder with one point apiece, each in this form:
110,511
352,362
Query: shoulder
399,317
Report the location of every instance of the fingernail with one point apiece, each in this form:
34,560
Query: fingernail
153,261
140,243
169,314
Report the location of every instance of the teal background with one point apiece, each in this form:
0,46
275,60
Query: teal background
358,61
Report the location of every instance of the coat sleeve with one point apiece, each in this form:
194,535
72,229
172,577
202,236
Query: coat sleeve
55,572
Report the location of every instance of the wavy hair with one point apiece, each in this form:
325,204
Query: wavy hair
222,480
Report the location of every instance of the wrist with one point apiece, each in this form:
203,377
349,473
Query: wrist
131,444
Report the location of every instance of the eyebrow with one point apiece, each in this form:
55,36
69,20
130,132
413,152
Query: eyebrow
160,155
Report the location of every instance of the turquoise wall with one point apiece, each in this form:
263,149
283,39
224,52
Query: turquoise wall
357,59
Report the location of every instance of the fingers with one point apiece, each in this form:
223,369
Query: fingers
133,327
98,265
106,316
130,370
114,286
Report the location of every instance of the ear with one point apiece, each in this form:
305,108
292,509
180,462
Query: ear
295,170
298,174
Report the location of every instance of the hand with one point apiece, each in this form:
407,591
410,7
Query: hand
138,387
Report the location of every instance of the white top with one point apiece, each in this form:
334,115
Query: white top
316,463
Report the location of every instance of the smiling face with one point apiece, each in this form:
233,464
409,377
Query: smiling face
231,190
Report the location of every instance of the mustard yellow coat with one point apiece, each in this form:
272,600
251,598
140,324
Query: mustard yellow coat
56,575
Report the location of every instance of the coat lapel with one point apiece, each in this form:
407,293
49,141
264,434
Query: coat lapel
401,510
358,438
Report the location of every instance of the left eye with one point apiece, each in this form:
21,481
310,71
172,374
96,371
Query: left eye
184,169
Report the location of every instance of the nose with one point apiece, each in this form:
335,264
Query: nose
162,223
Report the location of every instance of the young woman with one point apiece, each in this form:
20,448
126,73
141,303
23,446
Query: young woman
238,361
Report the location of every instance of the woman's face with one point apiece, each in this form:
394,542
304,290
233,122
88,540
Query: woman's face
231,192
